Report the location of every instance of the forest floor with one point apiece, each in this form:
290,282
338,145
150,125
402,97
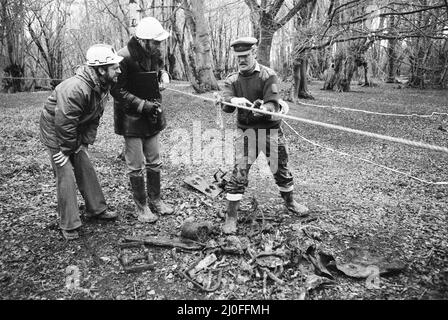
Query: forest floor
363,214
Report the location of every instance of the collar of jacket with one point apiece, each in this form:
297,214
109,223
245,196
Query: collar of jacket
139,54
90,77
255,69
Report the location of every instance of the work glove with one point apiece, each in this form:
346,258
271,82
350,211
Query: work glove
60,159
150,108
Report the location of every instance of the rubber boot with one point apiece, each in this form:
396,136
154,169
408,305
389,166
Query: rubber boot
155,202
229,226
143,212
293,206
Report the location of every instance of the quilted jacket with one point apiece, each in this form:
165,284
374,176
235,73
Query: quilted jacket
72,112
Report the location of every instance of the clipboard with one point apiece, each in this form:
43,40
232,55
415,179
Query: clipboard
144,85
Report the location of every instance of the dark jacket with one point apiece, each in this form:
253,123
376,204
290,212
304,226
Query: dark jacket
262,84
129,120
72,112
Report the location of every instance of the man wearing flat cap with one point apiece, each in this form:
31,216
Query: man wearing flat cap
256,86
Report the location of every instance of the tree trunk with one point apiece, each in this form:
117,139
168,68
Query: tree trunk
172,44
299,87
417,57
444,61
366,69
134,16
264,47
329,76
265,23
391,54
203,60
349,58
417,74
344,67
183,54
391,68
172,65
12,28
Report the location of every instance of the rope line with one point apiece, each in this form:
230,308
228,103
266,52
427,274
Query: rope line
29,78
302,103
328,125
376,113
365,160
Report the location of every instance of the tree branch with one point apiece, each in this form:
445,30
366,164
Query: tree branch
274,9
113,15
358,37
385,14
293,12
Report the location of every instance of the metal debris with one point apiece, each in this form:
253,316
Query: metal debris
198,231
197,182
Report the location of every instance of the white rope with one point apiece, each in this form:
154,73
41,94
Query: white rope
365,160
376,113
29,78
328,125
302,103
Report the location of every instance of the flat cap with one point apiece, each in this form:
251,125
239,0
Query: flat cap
242,46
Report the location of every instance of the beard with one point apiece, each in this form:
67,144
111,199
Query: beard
155,51
109,80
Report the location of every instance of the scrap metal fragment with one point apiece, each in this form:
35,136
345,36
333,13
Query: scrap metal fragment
183,244
202,264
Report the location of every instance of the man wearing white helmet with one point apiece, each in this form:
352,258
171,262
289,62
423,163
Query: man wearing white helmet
139,118
68,124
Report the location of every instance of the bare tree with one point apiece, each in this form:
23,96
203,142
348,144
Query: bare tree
180,40
265,22
12,38
46,25
227,20
359,24
391,53
299,87
201,61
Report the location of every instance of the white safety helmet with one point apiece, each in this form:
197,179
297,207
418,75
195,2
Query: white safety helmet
102,54
149,28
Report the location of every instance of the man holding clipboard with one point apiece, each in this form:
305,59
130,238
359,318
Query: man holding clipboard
138,116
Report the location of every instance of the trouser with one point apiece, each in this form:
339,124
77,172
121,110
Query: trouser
77,171
141,154
248,145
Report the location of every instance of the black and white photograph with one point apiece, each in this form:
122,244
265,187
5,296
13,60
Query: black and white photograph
229,156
